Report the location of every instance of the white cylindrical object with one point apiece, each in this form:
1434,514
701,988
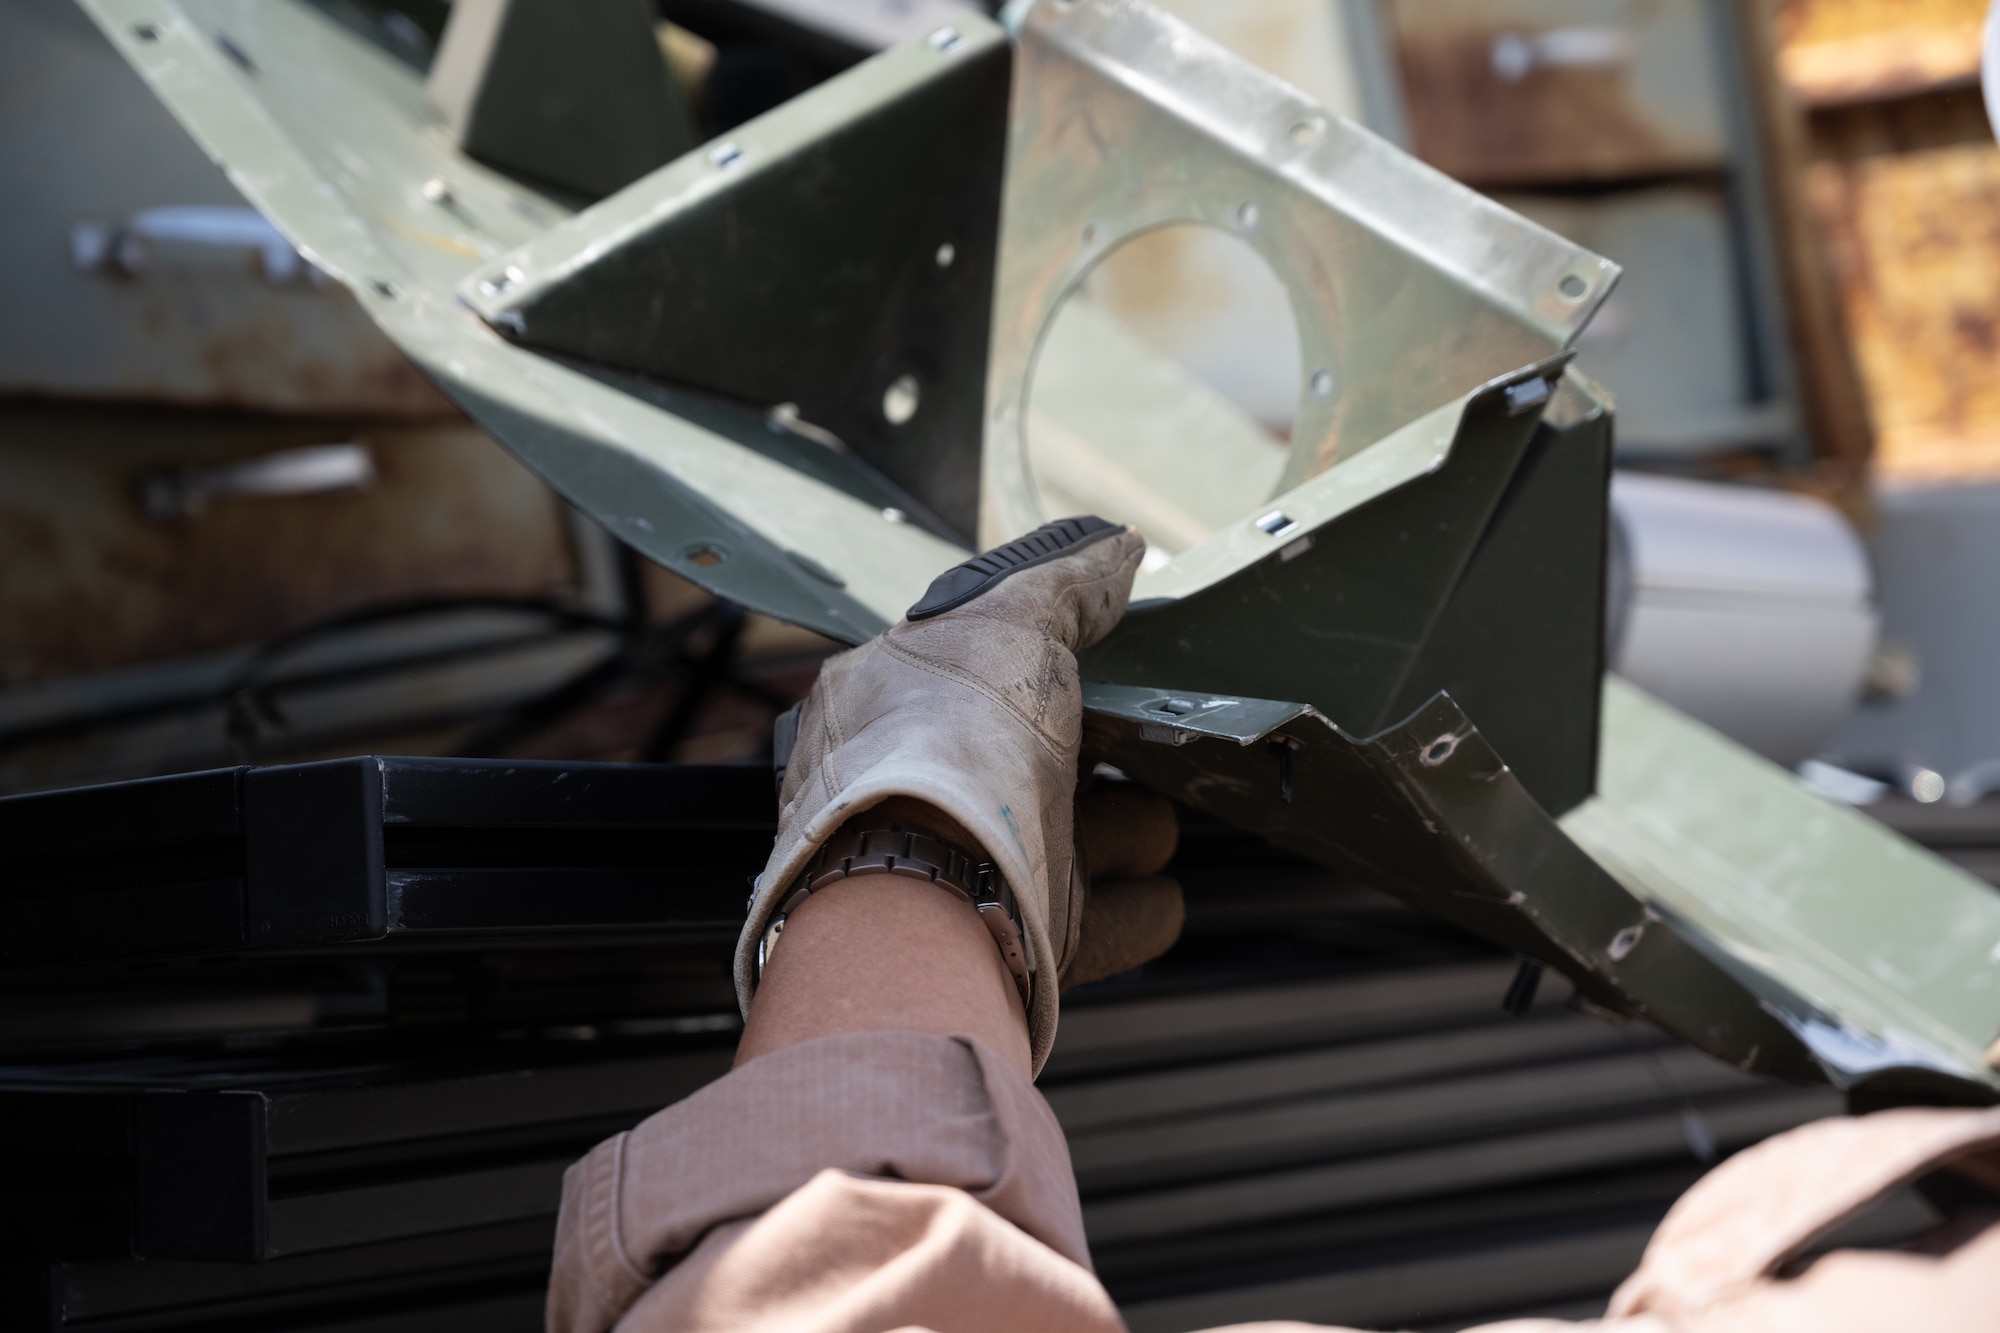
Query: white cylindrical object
1749,610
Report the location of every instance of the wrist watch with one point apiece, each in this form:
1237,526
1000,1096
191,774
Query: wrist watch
911,851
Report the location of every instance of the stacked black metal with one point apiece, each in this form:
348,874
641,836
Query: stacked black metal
309,1048
1317,1109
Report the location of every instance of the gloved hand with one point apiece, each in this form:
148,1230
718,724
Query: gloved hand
1131,912
972,706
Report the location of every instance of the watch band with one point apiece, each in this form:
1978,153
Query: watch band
911,851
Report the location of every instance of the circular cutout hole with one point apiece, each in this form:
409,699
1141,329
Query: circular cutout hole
900,399
1306,132
1165,387
1573,286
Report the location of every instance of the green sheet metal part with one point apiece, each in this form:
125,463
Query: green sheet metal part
1463,554
1702,889
1428,810
1432,560
1883,958
577,96
336,142
1408,288
832,254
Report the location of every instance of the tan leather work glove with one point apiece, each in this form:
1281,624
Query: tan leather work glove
1131,912
972,706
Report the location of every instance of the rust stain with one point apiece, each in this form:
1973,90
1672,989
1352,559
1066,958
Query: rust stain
1836,51
1814,22
1553,126
1907,198
88,582
200,338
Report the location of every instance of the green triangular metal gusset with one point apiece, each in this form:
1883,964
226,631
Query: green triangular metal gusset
574,96
1481,576
835,255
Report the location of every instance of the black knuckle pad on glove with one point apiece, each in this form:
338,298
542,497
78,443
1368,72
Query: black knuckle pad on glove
965,581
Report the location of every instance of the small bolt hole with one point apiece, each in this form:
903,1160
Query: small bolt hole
1276,522
1306,132
1322,384
1573,287
1438,751
1247,214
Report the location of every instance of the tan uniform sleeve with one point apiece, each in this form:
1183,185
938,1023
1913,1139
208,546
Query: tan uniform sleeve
835,1120
900,1181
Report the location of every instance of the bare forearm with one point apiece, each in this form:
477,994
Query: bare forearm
887,954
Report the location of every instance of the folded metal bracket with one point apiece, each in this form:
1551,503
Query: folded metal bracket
835,255
1462,554
579,97
1408,288
1429,811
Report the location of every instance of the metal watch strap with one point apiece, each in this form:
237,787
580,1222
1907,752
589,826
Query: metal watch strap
911,851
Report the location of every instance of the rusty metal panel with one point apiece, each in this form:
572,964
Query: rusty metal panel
1672,341
89,580
1907,197
1837,51
1518,92
135,270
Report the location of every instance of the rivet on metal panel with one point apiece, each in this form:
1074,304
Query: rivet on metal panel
437,190
946,253
1246,214
900,399
1323,384
1178,707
